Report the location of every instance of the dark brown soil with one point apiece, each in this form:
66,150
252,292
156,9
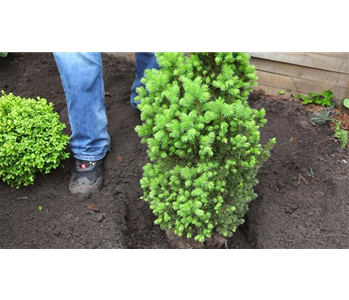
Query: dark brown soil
65,221
302,199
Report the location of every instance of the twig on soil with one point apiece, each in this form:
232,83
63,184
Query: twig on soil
309,173
317,155
300,177
292,140
295,140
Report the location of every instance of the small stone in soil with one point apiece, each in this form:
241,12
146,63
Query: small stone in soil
303,230
95,245
56,232
100,217
83,197
69,216
118,190
322,227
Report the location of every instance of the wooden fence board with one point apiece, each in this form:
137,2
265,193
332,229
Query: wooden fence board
297,85
331,78
303,72
308,59
334,54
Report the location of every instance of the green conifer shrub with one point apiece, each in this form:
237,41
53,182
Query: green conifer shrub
31,139
203,142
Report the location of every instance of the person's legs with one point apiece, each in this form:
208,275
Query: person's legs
144,60
82,79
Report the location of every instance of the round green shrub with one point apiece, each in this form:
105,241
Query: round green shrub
203,142
31,139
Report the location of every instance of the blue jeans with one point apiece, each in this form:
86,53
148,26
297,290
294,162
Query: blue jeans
82,79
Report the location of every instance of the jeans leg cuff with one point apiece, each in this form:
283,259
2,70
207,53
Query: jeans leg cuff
90,158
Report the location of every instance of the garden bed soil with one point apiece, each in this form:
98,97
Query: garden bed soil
302,189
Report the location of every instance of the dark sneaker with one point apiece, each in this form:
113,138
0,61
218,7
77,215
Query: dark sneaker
86,177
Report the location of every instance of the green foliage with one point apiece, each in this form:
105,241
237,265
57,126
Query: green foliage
322,117
31,139
288,91
203,142
346,102
3,54
321,99
341,135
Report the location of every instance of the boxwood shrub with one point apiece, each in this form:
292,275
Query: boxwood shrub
31,139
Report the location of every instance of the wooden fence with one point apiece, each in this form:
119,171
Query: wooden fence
303,72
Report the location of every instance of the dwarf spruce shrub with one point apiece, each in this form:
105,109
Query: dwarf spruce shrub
203,142
31,139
